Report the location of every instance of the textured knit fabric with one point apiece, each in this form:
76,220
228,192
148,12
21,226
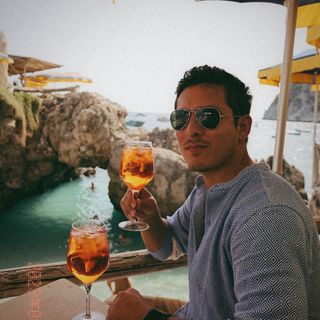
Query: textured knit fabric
259,256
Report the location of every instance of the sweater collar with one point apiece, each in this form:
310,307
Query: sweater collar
199,181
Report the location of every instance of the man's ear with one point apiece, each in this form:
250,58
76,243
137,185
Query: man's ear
244,127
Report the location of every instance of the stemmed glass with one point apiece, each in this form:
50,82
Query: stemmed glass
136,170
88,258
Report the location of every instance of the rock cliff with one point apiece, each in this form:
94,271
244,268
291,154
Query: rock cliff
73,130
301,105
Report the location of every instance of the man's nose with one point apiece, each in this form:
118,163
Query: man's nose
193,126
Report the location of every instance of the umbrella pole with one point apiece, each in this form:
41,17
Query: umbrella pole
285,86
315,114
315,172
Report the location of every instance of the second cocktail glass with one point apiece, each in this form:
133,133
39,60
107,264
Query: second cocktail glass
136,170
88,258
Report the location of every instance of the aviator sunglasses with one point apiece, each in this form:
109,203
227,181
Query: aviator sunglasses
207,117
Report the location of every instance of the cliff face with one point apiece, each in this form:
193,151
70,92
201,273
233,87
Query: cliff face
74,130
301,104
83,128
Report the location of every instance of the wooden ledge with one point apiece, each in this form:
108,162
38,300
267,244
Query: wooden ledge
16,281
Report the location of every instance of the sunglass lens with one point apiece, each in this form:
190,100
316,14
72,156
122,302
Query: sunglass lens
179,119
208,117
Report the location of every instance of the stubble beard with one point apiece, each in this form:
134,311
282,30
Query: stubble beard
219,165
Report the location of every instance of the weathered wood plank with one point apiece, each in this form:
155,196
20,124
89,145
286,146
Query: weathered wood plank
16,281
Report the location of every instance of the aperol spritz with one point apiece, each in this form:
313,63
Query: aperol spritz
136,170
88,257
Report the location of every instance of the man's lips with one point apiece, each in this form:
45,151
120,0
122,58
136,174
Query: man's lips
195,146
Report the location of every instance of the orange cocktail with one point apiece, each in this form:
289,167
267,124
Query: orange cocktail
88,257
136,170
136,167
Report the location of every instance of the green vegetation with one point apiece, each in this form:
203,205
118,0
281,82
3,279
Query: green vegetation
20,110
31,107
9,106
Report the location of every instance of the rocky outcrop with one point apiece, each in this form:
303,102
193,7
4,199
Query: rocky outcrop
74,130
293,176
301,105
83,128
314,205
165,138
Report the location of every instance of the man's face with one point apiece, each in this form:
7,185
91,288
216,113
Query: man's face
208,150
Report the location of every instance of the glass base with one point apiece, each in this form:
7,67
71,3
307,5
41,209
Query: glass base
94,316
133,226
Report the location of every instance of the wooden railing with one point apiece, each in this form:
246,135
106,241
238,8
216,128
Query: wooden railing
16,281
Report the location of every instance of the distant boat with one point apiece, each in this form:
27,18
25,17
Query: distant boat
134,123
294,132
162,118
301,130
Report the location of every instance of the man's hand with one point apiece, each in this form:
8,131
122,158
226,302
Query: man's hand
142,205
128,305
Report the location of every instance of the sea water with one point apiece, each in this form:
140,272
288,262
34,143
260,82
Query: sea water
36,229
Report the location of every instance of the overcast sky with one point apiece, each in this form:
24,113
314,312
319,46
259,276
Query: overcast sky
135,51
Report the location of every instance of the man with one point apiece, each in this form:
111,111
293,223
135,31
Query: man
252,245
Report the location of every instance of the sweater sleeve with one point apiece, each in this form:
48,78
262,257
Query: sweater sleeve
269,253
176,242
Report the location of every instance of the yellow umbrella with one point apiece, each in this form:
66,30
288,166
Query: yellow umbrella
308,14
4,58
313,35
34,82
42,80
305,69
68,77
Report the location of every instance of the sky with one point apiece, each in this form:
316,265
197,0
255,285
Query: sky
136,51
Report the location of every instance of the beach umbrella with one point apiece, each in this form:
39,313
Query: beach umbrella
42,80
313,36
308,12
4,58
305,69
22,65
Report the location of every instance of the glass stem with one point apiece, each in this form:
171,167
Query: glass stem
136,194
134,220
88,288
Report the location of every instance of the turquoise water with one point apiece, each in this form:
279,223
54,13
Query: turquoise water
36,229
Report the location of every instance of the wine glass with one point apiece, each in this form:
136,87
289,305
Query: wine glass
88,258
136,170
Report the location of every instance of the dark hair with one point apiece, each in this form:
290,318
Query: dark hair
238,95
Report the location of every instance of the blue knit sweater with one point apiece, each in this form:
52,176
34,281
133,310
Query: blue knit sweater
253,250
